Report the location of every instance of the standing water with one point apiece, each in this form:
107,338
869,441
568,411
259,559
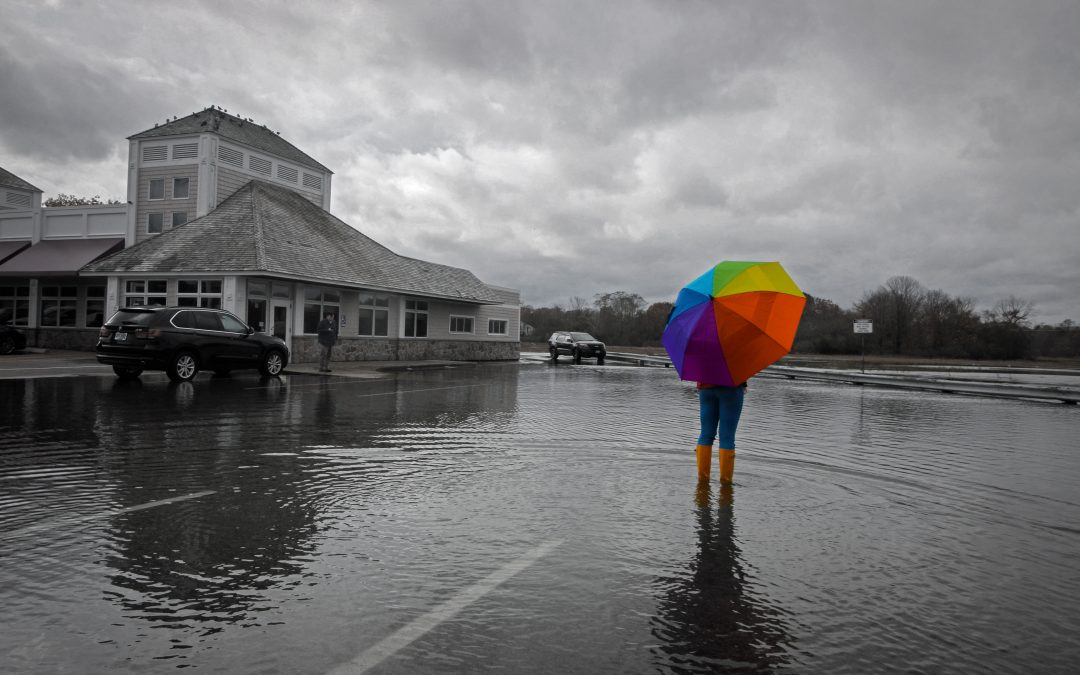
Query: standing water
530,519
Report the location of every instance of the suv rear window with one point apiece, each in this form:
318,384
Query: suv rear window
127,317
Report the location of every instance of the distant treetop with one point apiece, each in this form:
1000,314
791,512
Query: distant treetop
71,200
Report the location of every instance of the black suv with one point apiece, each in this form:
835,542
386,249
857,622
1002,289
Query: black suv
183,340
577,345
11,338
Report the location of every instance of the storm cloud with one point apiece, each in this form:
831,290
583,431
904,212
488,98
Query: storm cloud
569,149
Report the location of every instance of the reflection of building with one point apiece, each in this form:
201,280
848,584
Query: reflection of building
710,620
223,212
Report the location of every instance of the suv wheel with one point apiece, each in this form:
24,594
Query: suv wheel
577,355
7,345
272,363
183,367
554,353
127,372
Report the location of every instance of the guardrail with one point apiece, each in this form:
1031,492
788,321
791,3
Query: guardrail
998,389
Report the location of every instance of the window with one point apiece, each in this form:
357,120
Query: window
95,306
180,188
317,302
373,318
157,188
59,305
15,305
497,327
461,324
231,324
179,218
144,292
256,304
416,316
198,293
153,223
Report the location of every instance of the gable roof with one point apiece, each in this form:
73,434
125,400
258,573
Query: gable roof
8,179
233,128
268,229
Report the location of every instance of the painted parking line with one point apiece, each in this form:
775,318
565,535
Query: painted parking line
349,382
54,523
65,367
403,637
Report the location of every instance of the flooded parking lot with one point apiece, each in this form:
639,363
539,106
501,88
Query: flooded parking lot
531,518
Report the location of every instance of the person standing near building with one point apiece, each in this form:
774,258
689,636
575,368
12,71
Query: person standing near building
327,331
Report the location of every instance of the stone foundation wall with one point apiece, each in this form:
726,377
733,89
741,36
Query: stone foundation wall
306,350
74,339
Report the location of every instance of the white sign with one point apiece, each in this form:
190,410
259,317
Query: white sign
864,325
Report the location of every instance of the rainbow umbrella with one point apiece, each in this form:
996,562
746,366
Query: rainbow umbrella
733,321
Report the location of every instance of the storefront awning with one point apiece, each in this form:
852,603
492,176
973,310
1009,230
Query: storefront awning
10,248
58,257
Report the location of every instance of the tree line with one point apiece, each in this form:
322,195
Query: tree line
908,319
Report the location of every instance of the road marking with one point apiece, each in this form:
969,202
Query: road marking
75,520
403,637
15,368
378,393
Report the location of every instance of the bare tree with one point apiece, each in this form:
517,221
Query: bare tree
1013,311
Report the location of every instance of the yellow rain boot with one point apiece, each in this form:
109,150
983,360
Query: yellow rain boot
704,461
727,465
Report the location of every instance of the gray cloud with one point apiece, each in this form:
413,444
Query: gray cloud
573,148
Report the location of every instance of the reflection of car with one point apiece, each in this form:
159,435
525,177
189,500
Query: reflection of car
183,340
11,338
577,345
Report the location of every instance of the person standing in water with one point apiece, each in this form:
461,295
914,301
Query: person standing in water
721,408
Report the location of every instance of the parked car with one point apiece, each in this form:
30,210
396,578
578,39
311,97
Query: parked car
11,339
576,345
184,340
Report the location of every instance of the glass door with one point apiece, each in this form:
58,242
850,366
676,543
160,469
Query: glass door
279,325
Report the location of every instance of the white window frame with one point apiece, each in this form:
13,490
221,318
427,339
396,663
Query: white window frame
59,296
145,295
505,327
95,302
203,295
16,299
376,305
150,189
187,188
174,214
328,301
415,312
469,321
150,217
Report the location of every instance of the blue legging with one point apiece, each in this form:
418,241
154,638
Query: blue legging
721,408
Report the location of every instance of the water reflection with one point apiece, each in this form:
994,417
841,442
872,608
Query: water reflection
711,618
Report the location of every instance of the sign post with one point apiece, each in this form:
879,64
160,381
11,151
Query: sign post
862,328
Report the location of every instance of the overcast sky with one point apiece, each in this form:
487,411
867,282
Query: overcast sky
574,148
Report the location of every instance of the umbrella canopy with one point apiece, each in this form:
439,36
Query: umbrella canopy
733,321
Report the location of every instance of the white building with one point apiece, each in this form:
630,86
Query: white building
225,213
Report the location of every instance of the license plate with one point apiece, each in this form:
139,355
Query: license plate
120,337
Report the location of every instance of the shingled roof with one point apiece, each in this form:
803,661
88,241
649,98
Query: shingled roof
233,128
8,179
264,228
